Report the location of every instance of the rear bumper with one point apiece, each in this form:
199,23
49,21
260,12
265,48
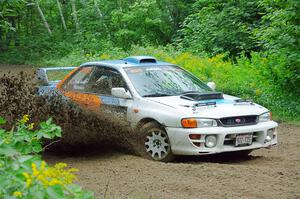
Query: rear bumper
181,144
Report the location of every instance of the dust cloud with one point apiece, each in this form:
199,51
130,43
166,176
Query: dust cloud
82,129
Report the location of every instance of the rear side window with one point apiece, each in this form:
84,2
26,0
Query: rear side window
79,81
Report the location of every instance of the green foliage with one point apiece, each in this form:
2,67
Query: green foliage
9,10
260,37
141,23
280,33
221,26
243,26
102,24
23,174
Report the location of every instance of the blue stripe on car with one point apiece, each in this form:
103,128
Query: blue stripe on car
110,100
219,101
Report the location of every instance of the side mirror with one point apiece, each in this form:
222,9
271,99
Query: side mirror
211,85
121,93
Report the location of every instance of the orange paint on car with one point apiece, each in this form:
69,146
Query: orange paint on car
86,100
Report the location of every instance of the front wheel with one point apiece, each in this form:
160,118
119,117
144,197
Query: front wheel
154,143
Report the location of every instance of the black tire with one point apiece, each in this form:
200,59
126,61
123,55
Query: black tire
153,143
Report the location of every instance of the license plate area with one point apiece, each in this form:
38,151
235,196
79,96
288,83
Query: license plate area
243,139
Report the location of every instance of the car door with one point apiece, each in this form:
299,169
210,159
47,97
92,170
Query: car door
102,80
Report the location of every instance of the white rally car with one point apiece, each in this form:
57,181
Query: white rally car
173,111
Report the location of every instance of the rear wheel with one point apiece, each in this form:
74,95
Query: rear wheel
154,143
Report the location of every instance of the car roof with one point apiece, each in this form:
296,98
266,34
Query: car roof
134,61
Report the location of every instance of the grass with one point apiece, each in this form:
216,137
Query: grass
57,75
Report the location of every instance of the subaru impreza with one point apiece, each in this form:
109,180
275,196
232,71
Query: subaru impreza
172,111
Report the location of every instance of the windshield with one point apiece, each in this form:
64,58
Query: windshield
155,81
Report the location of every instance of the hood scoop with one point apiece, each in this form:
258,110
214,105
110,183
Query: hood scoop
202,96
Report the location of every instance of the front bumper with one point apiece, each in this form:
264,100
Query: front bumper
181,144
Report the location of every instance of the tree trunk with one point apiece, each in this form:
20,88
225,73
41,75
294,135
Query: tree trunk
74,13
43,17
61,15
10,33
97,9
100,16
1,41
18,31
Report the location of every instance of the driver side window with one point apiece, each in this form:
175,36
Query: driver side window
102,80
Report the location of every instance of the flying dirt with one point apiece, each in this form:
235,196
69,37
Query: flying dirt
18,96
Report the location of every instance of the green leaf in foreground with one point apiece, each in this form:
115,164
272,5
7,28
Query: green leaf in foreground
2,121
23,174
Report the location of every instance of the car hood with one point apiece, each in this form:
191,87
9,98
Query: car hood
226,107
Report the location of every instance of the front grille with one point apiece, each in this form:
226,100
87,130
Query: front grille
239,120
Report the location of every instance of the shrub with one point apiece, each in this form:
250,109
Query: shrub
24,174
251,79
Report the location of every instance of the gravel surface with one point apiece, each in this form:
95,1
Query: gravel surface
273,173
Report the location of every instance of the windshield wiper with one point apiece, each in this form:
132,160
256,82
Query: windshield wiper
156,95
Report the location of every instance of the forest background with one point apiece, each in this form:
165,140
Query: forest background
250,48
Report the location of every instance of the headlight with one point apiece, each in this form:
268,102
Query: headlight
265,117
198,122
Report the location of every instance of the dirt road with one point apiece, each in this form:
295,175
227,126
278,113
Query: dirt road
265,173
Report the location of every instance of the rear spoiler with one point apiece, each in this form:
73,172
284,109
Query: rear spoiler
43,76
